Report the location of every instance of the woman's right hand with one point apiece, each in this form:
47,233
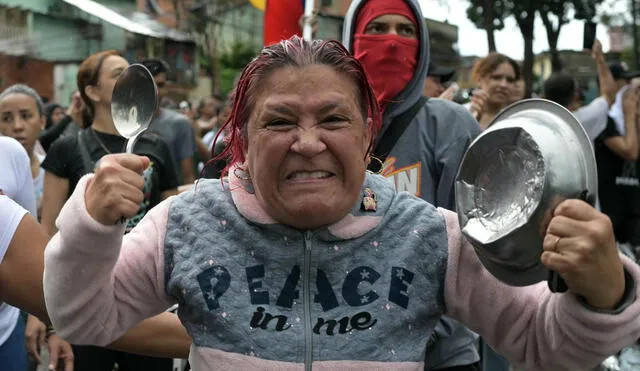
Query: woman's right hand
75,110
596,50
450,92
115,191
478,102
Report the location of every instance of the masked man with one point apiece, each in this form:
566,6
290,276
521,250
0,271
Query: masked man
390,39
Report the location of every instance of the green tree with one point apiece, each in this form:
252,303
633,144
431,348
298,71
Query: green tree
627,56
557,9
524,12
205,20
554,15
231,63
487,15
239,55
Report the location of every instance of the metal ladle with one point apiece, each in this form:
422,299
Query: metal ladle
133,103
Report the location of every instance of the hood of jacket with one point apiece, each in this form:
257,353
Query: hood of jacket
413,91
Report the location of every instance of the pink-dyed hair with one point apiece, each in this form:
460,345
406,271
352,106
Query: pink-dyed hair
294,52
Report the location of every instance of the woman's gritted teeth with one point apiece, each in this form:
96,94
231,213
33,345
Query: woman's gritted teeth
309,175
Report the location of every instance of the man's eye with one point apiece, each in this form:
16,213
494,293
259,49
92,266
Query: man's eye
374,28
408,31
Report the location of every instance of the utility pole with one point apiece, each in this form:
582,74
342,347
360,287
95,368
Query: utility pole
634,30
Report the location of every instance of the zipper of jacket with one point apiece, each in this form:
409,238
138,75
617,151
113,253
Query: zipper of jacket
306,302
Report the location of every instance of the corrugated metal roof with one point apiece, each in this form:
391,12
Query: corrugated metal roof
135,22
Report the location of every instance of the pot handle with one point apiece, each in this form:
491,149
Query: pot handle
555,282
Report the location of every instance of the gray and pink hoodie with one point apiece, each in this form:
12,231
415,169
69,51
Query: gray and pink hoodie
362,294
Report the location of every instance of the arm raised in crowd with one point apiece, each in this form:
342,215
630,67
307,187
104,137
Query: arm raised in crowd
48,136
605,78
627,146
74,115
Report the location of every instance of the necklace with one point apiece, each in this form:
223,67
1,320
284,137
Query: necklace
99,141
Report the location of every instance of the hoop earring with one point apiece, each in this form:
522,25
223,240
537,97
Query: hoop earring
380,167
245,175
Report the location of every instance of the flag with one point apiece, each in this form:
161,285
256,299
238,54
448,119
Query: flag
259,4
282,20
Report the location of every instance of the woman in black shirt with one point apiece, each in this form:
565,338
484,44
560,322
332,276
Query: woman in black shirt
72,156
65,163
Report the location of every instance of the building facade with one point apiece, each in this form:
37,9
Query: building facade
62,33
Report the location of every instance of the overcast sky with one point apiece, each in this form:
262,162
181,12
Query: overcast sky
473,41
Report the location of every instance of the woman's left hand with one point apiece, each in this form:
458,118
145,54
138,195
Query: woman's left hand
580,246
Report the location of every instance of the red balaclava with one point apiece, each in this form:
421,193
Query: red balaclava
389,60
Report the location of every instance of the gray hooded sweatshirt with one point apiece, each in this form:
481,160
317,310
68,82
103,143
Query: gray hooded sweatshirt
424,162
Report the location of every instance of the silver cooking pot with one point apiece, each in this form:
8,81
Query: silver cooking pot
534,155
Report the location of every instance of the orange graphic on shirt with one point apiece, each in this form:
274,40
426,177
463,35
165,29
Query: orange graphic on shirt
405,179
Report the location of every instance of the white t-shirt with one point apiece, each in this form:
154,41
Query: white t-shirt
17,184
10,217
617,111
593,117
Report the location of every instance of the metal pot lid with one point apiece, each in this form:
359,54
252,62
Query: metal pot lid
539,108
507,185
500,183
